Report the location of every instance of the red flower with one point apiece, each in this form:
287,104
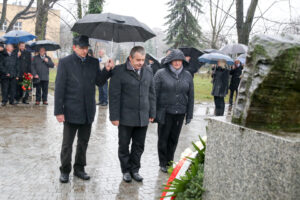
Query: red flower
23,88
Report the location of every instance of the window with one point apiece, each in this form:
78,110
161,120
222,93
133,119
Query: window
17,26
4,26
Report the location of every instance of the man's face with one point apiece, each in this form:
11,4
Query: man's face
188,58
81,51
176,64
236,62
22,46
137,61
1,48
42,51
9,47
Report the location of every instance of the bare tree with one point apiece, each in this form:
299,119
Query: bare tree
43,7
3,13
244,27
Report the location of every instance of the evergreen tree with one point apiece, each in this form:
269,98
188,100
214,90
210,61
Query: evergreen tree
183,28
95,6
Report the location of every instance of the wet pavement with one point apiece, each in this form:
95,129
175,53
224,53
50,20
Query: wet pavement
30,142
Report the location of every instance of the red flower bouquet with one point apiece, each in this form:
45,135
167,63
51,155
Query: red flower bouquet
27,81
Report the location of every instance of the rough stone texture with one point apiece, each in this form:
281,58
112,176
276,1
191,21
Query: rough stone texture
244,164
269,92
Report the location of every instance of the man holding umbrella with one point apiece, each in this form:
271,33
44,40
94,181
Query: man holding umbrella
75,105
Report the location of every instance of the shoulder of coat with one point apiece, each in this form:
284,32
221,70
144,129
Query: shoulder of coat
118,68
188,74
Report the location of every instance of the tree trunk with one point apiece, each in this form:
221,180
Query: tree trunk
3,14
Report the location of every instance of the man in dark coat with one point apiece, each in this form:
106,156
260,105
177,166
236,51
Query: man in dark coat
132,107
25,67
40,70
77,76
220,86
235,73
10,74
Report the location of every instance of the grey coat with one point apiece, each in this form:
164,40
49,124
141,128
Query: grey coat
75,88
41,68
132,99
220,82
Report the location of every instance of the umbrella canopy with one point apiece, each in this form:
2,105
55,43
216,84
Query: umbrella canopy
213,58
194,54
242,58
231,49
212,51
2,39
112,27
15,37
47,44
151,57
156,65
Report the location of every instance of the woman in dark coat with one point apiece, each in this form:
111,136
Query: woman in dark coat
220,87
235,73
175,101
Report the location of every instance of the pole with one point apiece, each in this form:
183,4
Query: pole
111,48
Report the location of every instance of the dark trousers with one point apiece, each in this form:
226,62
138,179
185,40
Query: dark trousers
131,160
83,135
168,134
219,106
20,92
8,89
103,93
42,87
231,95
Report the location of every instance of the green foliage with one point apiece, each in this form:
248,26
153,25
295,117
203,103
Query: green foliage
95,6
190,186
183,29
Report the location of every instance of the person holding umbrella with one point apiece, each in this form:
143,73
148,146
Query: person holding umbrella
25,67
131,107
10,75
40,70
74,103
236,73
175,101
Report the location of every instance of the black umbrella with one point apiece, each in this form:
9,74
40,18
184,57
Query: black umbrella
47,44
194,54
155,65
112,27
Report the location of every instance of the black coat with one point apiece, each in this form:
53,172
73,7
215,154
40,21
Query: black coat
175,95
10,65
235,79
25,62
132,99
41,68
75,88
220,82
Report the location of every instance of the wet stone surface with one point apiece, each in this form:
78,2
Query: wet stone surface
30,142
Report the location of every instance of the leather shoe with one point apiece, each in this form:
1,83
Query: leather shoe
137,177
45,103
127,177
25,102
37,103
64,178
164,169
82,175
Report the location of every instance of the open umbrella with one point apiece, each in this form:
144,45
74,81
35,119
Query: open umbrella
242,58
47,44
15,37
232,49
212,51
194,54
213,58
2,39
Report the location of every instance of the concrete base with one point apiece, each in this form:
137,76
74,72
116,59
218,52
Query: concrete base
242,163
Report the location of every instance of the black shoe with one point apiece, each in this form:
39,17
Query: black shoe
25,102
64,178
82,175
164,169
104,104
137,177
127,177
13,103
3,104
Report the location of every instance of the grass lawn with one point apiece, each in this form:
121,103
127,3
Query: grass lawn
202,84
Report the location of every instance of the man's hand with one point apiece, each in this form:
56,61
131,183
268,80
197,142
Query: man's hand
17,78
151,120
46,59
19,53
36,76
60,118
115,123
8,75
109,65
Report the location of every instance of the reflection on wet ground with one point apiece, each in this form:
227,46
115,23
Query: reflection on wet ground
30,141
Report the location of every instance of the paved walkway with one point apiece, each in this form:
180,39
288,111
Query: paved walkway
30,142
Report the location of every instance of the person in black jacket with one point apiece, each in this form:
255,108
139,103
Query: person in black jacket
25,67
10,74
1,59
74,103
40,70
235,73
175,101
220,86
132,107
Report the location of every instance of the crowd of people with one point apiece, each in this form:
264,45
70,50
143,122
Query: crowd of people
15,60
138,95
